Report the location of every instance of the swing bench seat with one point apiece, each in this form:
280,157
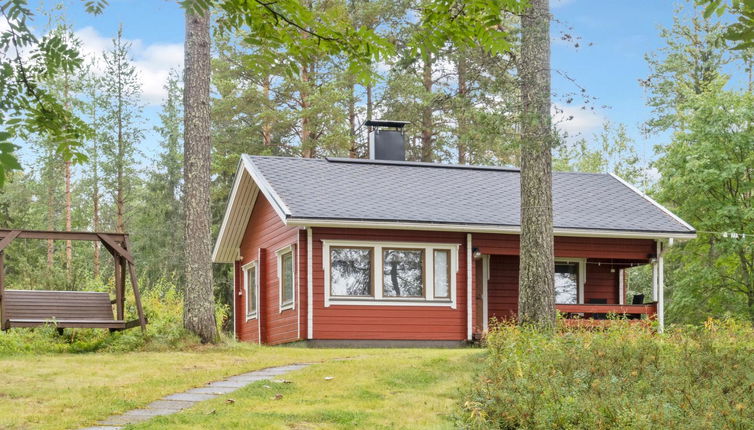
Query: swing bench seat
62,309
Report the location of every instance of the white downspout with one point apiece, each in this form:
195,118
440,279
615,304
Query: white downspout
660,286
469,298
309,286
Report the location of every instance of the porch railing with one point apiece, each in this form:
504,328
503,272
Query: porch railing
586,311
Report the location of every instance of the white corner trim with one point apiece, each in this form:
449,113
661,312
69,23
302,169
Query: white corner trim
235,299
651,200
244,270
469,298
280,252
582,273
309,286
660,286
379,299
275,201
297,285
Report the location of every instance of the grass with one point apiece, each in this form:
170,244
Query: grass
372,388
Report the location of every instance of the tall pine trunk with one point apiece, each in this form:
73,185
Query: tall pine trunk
536,299
266,126
463,90
198,314
426,149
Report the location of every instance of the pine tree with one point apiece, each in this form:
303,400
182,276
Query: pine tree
122,119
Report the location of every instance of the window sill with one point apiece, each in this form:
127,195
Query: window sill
286,307
250,317
388,302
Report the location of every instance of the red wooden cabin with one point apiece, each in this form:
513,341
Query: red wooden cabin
354,250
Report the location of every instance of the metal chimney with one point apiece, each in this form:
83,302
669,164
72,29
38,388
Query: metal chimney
386,140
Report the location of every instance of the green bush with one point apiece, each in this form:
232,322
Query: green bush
163,307
623,377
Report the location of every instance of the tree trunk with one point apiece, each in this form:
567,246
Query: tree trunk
266,126
461,144
50,221
307,142
536,300
67,170
426,149
352,152
198,314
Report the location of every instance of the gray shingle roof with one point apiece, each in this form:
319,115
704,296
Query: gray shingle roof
341,189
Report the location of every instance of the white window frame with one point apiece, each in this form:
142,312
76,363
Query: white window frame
378,299
280,253
582,275
245,270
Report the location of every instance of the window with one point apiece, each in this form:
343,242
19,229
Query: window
389,273
351,271
251,285
403,272
442,273
566,283
286,278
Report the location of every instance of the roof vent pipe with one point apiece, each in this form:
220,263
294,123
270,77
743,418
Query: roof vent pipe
386,140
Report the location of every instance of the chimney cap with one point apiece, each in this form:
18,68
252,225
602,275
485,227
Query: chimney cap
385,123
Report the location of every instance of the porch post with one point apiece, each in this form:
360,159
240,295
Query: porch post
621,287
654,280
660,286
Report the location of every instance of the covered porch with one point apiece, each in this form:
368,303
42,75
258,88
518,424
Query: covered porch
591,280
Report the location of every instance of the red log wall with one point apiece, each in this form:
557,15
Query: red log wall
264,235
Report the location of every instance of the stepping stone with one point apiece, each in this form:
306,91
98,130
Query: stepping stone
228,384
121,420
175,405
212,390
150,412
247,378
103,428
187,397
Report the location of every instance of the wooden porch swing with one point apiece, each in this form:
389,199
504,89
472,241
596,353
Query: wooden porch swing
69,309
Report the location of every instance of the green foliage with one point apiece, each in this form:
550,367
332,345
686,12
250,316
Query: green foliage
163,307
611,150
26,105
740,32
302,31
620,378
691,60
708,179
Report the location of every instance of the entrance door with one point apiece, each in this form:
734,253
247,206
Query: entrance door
481,275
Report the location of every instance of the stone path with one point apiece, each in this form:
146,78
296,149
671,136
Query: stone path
177,402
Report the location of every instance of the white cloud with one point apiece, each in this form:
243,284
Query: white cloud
153,62
576,121
4,25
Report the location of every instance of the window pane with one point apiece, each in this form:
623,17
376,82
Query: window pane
351,271
442,274
251,294
403,272
287,261
566,283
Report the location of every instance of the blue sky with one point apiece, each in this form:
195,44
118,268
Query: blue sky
614,36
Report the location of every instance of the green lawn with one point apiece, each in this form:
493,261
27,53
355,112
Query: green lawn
372,388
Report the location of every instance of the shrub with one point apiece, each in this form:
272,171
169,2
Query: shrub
623,377
163,307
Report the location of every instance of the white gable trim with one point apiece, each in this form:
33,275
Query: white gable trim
246,187
651,200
